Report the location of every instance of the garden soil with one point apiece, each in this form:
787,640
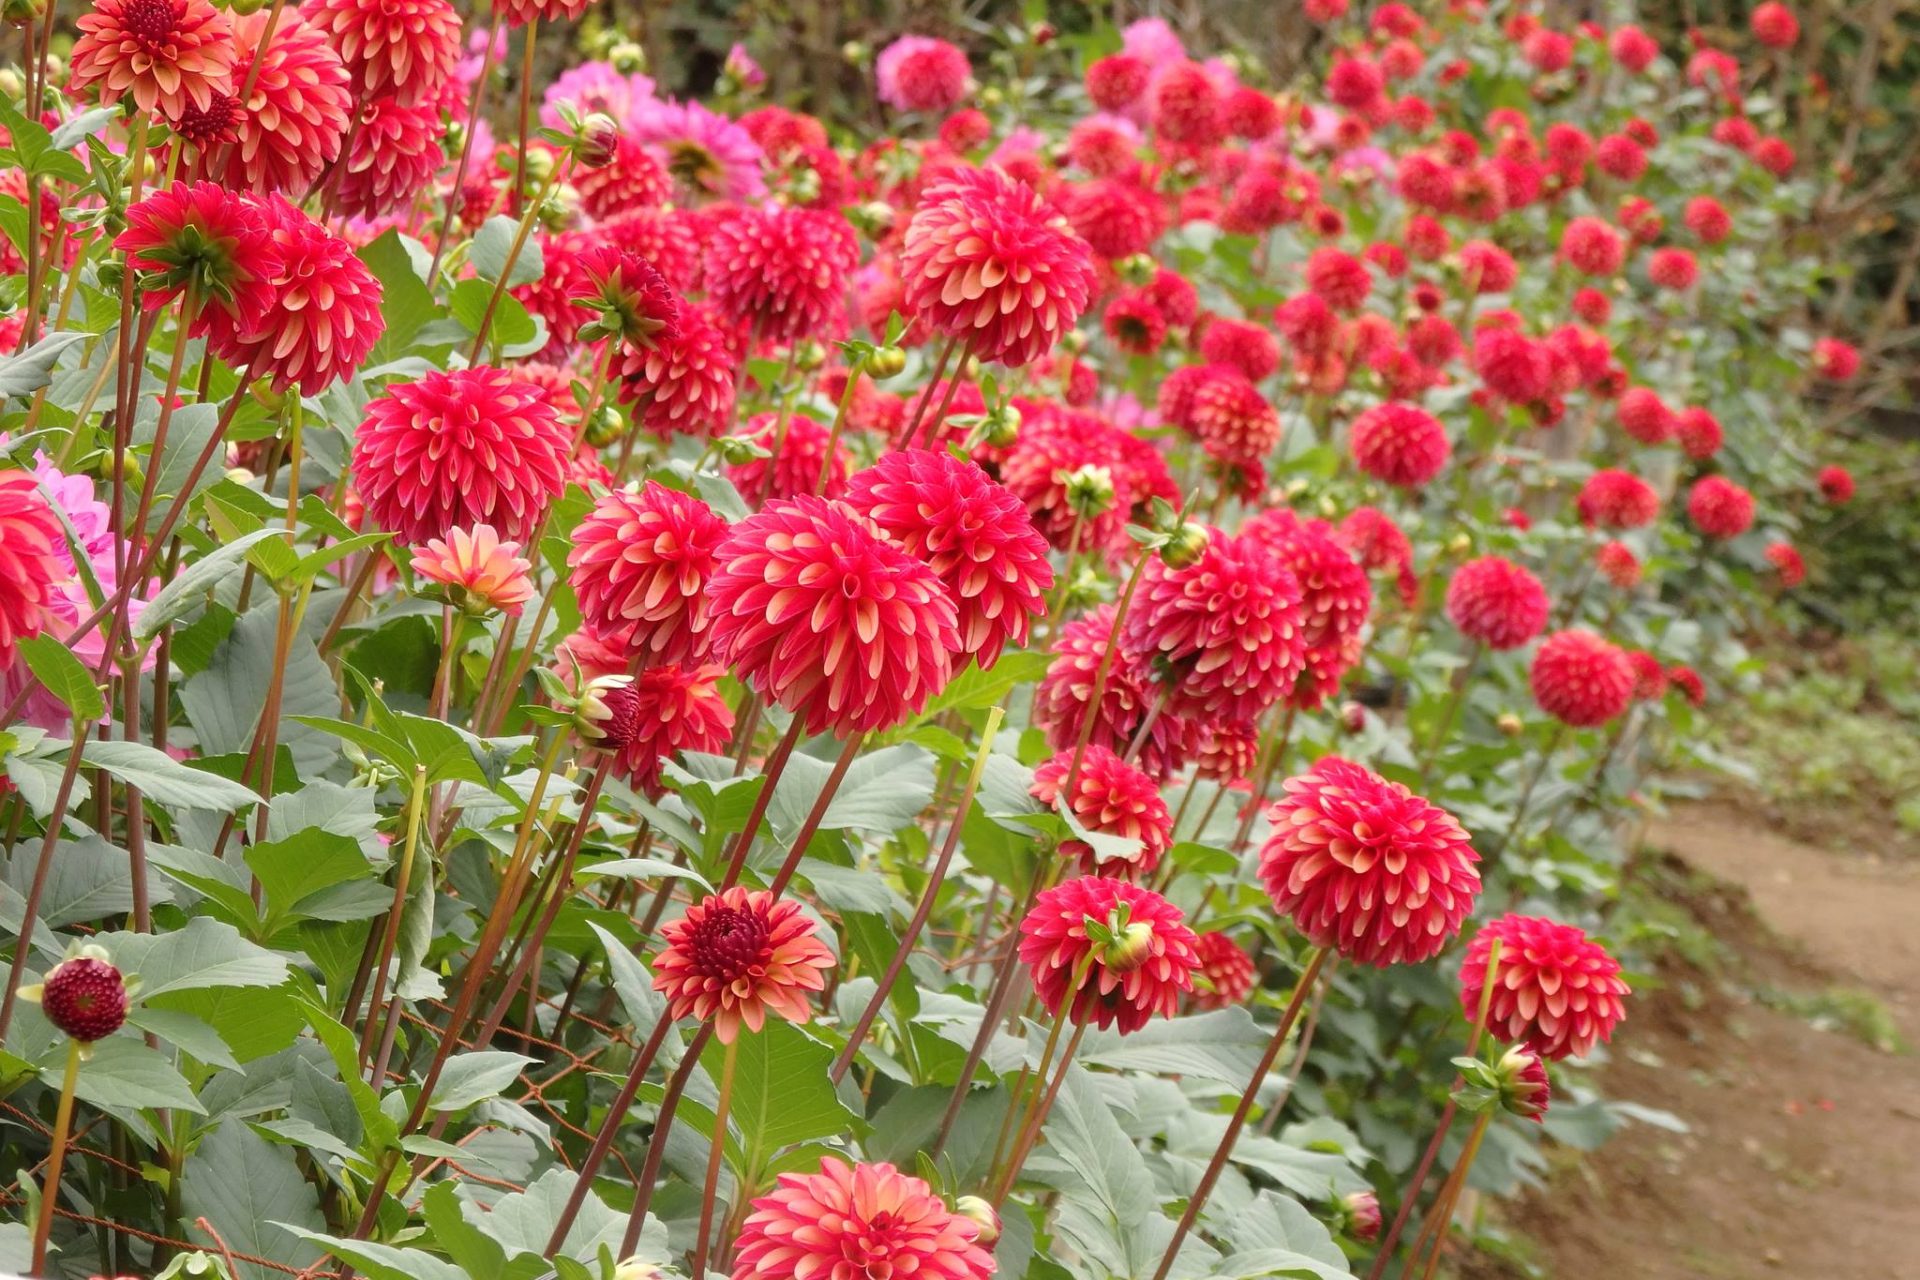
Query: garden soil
1803,1151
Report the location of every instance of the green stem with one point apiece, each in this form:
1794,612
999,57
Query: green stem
56,1158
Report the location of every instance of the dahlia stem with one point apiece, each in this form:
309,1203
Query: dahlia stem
657,1145
1037,1118
1000,1177
715,1151
784,391
1270,1121
466,145
815,815
1146,725
56,1157
1064,587
989,1021
1434,1229
1105,668
920,411
30,911
1198,1200
609,1128
854,374
924,911
1412,1194
1526,792
519,242
526,116
946,400
1268,768
1454,698
390,935
771,771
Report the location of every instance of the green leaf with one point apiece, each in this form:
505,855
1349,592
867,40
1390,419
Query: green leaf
473,1250
781,1092
382,1261
882,792
254,1195
475,1077
185,1032
205,953
1108,1212
254,1022
634,986
223,702
511,324
87,881
25,373
294,869
165,780
64,676
405,303
203,575
643,869
1224,1045
124,1073
977,690
494,241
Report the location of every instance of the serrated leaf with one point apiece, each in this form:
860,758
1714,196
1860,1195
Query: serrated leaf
204,953
124,1073
203,575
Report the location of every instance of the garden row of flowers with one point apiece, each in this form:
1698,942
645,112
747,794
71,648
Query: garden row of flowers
601,685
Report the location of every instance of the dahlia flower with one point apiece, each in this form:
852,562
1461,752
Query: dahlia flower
1231,750
986,259
975,534
1673,269
85,997
632,302
857,1220
1617,500
666,710
480,572
1134,323
1555,990
395,153
1513,366
322,312
1335,598
1116,219
294,120
1689,683
1061,703
169,54
1338,278
738,955
199,236
1112,798
631,179
1185,106
919,73
1128,948
1224,635
793,464
819,612
1117,81
1700,433
707,154
1399,444
1836,361
399,49
1836,485
34,560
1225,976
1618,564
783,271
594,86
1719,508
1644,416
1774,25
639,567
1787,562
1592,247
1246,347
1580,679
1232,420
685,383
1366,867
1496,602
458,449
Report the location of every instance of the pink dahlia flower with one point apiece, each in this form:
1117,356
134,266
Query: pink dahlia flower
851,1221
919,73
639,567
1496,602
1555,990
1110,797
1580,679
1128,948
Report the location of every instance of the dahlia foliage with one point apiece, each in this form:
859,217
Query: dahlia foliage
555,650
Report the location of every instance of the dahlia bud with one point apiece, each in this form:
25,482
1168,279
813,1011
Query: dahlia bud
1089,490
1185,545
876,218
1137,268
605,426
1459,544
598,137
627,57
1001,427
1073,342
982,1214
19,11
1510,724
886,362
1360,1212
1121,944
1043,33
84,996
603,713
809,355
538,166
1353,717
992,96
1524,1090
803,186
855,51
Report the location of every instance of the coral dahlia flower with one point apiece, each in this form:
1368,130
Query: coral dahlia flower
782,271
1128,948
1719,508
1110,797
683,383
457,449
294,120
1186,106
1399,444
821,613
201,237
987,260
1062,701
1366,867
480,572
1224,635
847,1222
1232,420
974,533
1226,975
794,465
1496,602
919,73
399,49
1580,679
738,955
1555,990
169,54
1617,564
1645,416
640,565
631,301
34,561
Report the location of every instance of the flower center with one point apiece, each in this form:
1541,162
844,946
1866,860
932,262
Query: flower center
151,21
693,164
728,942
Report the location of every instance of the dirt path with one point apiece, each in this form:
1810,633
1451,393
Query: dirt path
1803,1156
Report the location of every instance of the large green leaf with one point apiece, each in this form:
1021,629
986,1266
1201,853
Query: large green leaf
163,779
205,953
64,676
178,597
882,792
781,1092
253,1194
474,1077
405,302
223,702
124,1073
1223,1046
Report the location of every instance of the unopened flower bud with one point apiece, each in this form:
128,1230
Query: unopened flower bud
1127,947
1459,544
635,1269
1042,33
599,137
809,355
627,57
875,217
982,1214
1361,1211
604,713
605,426
1001,427
84,996
1524,1089
992,96
1510,724
1353,717
1185,545
538,165
1137,268
886,362
1089,490
855,51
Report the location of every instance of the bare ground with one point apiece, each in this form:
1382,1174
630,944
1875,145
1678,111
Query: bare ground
1803,1155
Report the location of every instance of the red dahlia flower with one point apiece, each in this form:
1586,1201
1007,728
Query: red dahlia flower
1719,508
1224,635
987,260
1496,602
1836,485
667,710
631,301
1061,703
1580,679
85,997
1617,564
1699,432
169,54
794,464
1708,219
1231,419
1226,975
1514,366
975,534
1617,500
857,1220
1555,990
782,271
1774,25
1339,278
1246,347
1128,948
1399,444
394,155
399,49
685,383
1836,361
199,236
295,118
457,449
1112,798
1593,247
1116,219
919,73
1788,563
632,179
1644,416
1366,867
1185,105
1688,682
1673,269
822,614
34,562
1335,598
640,565
738,955
1649,677
1134,323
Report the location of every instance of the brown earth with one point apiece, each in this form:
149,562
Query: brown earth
1803,1152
